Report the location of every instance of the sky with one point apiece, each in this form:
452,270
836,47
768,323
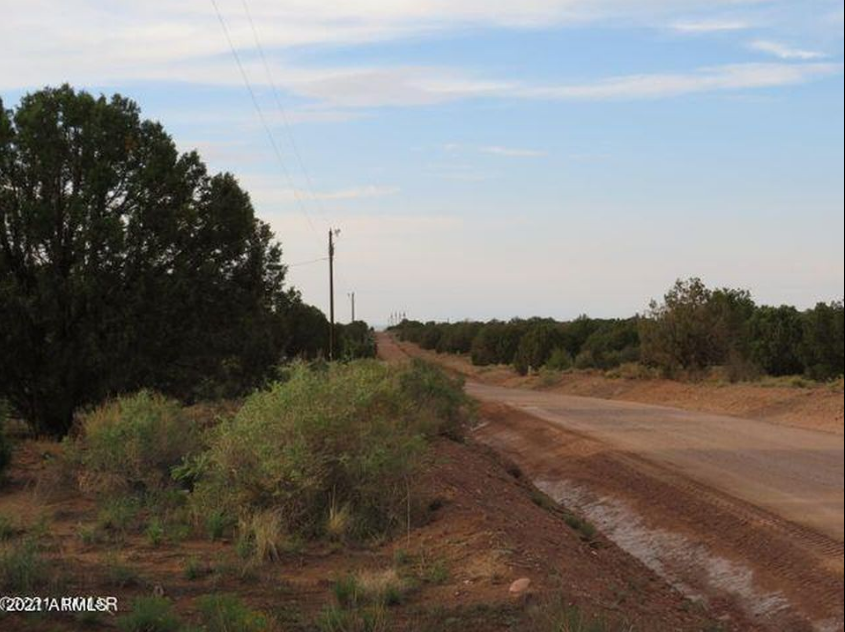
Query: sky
491,159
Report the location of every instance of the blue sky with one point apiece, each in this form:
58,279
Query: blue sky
542,157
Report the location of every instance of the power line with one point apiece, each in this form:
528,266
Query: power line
286,124
261,117
283,112
305,263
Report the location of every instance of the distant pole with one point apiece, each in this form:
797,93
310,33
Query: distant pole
331,294
352,299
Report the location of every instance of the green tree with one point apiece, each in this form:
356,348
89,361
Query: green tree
775,335
695,327
123,263
536,345
822,349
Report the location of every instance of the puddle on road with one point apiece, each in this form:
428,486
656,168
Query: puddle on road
691,567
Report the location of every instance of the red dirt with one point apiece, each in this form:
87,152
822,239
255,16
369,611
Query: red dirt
485,529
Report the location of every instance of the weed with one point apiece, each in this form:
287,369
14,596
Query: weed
401,557
119,574
155,532
217,524
88,534
586,530
543,500
263,531
339,521
555,615
150,614
194,569
437,573
227,613
336,619
118,514
22,568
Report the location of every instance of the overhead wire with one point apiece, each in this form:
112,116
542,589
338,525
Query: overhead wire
262,118
289,132
286,123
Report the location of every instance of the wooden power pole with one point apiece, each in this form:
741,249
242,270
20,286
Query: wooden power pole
331,294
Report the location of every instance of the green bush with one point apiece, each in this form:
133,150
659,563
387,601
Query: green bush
22,568
227,613
822,350
496,343
559,360
776,334
349,436
150,614
133,443
536,346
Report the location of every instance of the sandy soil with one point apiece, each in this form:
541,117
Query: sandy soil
815,408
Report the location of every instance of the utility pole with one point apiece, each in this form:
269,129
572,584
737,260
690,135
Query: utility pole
332,234
351,296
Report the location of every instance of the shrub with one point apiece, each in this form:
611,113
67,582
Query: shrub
21,568
118,513
559,360
227,613
536,346
352,435
822,350
263,530
155,532
380,588
585,360
695,327
612,343
336,619
776,334
217,524
150,614
133,443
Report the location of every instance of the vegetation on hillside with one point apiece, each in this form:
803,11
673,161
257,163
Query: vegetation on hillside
694,328
328,450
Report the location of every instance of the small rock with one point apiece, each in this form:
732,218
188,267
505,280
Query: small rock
519,587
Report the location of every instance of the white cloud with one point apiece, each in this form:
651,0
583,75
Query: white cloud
729,77
513,152
708,26
784,52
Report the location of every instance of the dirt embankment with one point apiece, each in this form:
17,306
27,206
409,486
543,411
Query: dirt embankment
814,408
487,527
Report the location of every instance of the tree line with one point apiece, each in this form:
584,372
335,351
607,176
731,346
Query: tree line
692,329
125,264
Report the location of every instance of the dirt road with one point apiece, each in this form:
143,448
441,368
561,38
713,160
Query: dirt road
725,508
794,473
